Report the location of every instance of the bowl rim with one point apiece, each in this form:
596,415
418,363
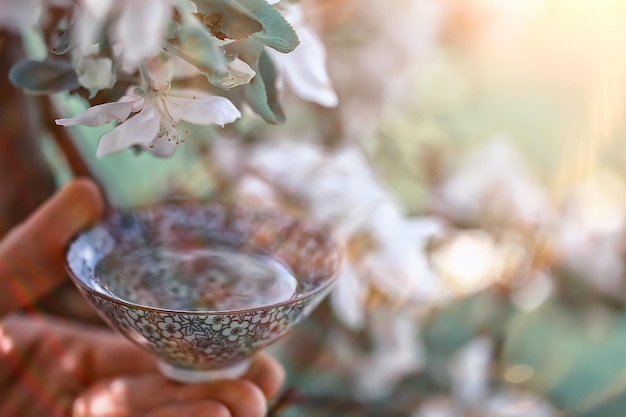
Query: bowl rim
311,229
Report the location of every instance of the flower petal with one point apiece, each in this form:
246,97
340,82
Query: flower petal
141,27
95,73
101,114
164,68
18,14
162,147
138,130
203,110
239,73
91,16
130,96
304,69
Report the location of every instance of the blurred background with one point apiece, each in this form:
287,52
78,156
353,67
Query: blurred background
473,170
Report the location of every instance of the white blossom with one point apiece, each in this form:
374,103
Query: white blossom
501,403
470,371
304,69
95,73
397,352
16,15
518,404
341,192
493,181
589,235
154,123
138,26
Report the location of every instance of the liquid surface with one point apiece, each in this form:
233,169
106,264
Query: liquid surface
197,279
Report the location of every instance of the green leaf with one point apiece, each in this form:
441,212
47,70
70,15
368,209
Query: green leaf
225,21
577,361
172,30
44,77
260,93
64,43
268,72
239,19
277,33
201,49
485,313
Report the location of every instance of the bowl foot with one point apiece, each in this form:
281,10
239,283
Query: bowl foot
191,376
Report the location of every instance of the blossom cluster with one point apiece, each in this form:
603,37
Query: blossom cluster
149,65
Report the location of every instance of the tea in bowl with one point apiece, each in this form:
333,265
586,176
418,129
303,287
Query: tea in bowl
203,287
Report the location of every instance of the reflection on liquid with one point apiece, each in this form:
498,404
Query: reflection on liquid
198,279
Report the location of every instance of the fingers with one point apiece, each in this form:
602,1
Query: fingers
129,396
97,353
241,397
32,255
192,409
267,373
123,377
112,355
109,354
246,397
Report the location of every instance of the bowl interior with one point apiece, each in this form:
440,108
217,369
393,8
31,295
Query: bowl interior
195,257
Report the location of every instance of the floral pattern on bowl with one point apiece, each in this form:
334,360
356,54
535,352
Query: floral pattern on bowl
205,340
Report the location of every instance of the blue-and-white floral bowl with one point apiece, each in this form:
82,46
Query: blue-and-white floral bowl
193,345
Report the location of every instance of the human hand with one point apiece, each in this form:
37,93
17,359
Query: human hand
56,368
32,254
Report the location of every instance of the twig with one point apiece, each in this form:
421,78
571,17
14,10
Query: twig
289,398
64,141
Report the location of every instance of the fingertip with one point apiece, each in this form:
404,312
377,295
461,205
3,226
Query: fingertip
268,374
77,205
254,397
242,397
34,251
84,191
193,408
252,391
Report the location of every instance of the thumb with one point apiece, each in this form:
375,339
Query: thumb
32,255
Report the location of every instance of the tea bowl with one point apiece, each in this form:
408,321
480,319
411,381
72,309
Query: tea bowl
167,313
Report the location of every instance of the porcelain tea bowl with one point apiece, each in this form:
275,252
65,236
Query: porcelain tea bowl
194,343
